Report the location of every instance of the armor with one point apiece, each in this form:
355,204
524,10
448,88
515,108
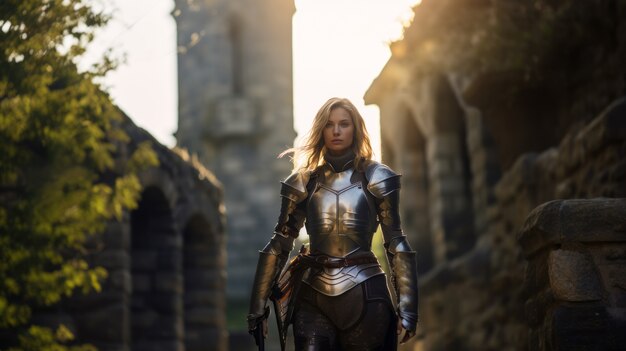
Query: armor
342,207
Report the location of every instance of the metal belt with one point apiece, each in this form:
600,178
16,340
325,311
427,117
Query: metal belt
336,262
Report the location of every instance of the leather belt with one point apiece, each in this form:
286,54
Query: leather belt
336,262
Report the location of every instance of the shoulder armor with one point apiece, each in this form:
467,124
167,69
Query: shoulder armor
294,187
381,179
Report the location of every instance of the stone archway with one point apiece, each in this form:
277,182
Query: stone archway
157,283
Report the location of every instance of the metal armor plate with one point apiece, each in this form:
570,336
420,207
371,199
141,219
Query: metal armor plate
339,218
340,221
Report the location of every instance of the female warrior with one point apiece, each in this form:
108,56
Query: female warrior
342,195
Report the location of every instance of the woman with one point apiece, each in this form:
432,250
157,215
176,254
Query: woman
342,195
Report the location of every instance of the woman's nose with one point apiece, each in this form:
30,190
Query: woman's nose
336,130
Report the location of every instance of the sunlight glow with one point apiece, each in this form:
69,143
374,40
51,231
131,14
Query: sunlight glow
339,47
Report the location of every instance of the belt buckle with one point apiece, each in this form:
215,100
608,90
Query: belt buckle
321,259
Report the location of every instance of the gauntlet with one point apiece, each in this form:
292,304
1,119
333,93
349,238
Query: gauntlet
404,280
269,266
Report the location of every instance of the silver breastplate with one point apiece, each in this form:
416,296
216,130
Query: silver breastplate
340,220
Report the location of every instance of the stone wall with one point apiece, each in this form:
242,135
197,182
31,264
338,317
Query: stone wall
480,147
576,276
165,260
236,114
478,301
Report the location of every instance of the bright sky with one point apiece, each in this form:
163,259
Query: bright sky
339,47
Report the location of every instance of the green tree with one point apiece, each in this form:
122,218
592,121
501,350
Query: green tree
59,179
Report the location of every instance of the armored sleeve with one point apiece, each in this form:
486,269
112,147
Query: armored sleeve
384,185
274,255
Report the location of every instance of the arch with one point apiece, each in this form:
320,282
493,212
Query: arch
204,281
155,251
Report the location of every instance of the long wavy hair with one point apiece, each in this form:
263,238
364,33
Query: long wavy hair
310,153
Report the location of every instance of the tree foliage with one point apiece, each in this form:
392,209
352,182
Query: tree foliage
541,40
59,178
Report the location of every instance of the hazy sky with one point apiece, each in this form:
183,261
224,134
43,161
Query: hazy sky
339,47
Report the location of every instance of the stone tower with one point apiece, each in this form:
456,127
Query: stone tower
236,114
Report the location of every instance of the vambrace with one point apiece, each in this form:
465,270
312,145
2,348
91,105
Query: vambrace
272,259
404,280
274,256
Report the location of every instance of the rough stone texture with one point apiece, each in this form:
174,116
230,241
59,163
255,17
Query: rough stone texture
236,114
497,163
573,277
147,301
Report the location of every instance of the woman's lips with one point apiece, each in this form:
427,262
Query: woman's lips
336,141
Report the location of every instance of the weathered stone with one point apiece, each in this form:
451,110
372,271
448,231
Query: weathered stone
98,324
573,276
588,328
112,259
158,345
142,283
119,280
541,228
596,220
168,282
203,339
144,260
165,304
203,317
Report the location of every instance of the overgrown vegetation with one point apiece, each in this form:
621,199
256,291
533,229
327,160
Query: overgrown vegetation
59,179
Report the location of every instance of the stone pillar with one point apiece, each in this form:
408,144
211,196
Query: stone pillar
576,275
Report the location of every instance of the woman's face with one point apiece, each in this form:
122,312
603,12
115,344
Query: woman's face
338,132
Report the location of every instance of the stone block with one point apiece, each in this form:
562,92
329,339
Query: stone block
536,308
112,259
200,340
169,260
541,228
563,221
234,116
536,274
117,235
212,279
119,280
158,345
166,304
593,220
588,328
203,317
107,324
573,276
168,282
143,260
83,303
141,283
197,298
141,320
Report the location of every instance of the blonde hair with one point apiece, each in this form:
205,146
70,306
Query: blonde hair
310,154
